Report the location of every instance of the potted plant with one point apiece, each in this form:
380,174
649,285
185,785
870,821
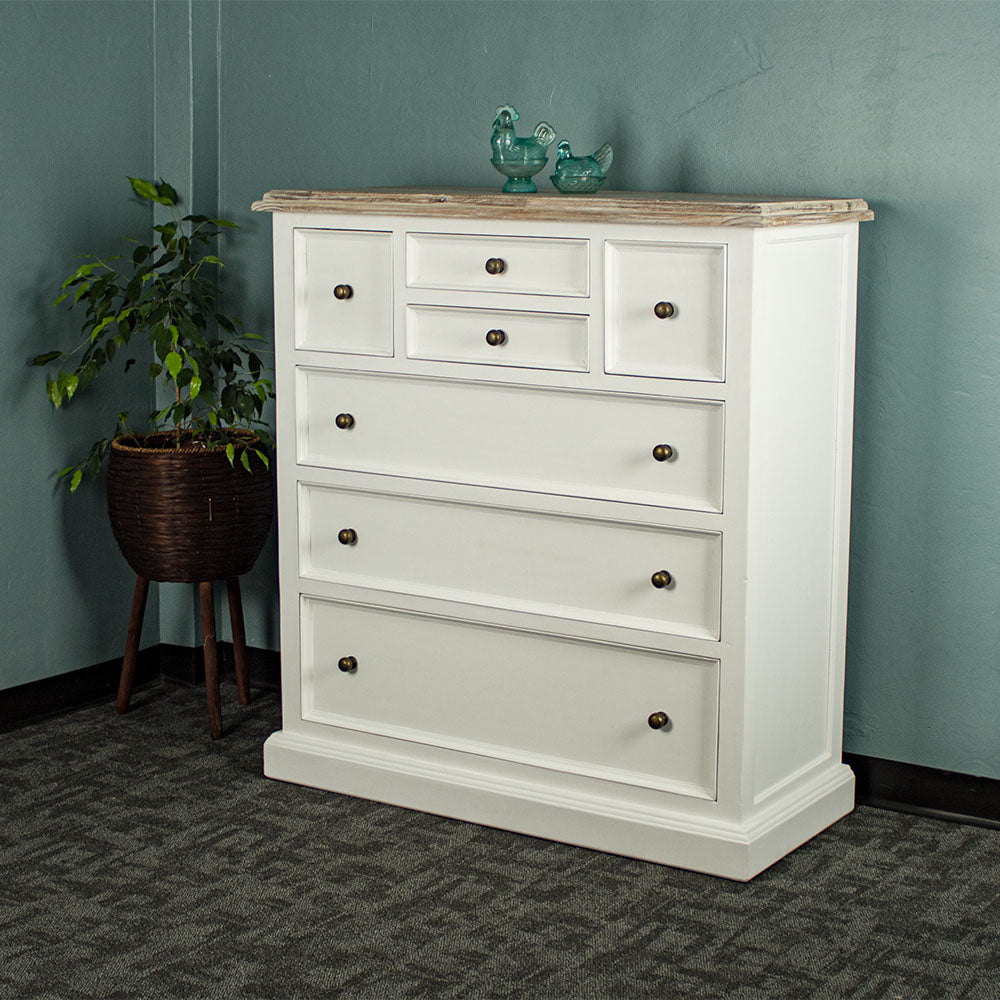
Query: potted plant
191,497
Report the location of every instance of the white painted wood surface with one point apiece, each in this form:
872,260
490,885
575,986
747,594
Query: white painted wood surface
509,513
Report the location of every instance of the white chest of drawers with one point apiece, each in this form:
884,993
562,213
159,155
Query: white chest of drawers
564,489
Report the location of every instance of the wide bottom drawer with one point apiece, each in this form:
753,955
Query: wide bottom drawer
566,704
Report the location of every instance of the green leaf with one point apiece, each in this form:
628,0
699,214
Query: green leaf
168,196
195,387
262,457
213,418
225,223
144,189
245,460
155,369
44,359
53,392
71,383
230,453
174,363
76,480
61,298
103,325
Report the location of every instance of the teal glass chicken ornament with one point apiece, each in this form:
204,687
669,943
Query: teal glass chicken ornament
519,159
581,174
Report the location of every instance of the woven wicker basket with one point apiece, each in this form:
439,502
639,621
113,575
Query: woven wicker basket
185,514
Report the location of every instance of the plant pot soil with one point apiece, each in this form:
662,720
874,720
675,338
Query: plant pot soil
185,514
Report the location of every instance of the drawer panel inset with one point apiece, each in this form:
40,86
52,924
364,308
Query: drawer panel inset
497,337
570,567
570,705
585,444
343,291
666,310
528,265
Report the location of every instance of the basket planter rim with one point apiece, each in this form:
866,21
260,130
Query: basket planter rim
149,443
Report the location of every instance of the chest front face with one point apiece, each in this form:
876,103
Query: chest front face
553,488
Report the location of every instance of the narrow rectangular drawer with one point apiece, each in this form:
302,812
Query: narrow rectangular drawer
586,444
570,705
497,337
343,291
550,564
666,310
528,265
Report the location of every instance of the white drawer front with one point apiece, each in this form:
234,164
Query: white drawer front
360,322
497,337
492,434
690,280
570,567
561,703
539,266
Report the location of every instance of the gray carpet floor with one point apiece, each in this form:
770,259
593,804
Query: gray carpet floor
139,859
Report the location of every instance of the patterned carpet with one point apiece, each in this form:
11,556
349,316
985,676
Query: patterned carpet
138,859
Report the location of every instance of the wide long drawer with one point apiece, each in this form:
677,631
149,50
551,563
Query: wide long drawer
575,706
575,567
638,449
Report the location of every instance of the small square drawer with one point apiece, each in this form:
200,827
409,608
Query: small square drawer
564,704
343,291
497,337
527,265
666,310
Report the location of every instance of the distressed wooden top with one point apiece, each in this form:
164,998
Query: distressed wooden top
605,206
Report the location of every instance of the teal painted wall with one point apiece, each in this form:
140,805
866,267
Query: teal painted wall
895,102
75,119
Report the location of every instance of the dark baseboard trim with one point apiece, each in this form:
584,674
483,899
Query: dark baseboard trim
886,784
926,791
51,696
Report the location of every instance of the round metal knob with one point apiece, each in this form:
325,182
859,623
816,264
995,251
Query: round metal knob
496,337
663,452
496,265
350,663
344,421
658,720
343,292
660,579
664,310
347,536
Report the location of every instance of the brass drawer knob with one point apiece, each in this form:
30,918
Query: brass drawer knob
664,310
658,720
344,421
496,337
496,265
663,452
660,579
347,664
343,292
347,536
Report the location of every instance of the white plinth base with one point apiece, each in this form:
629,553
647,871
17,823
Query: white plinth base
524,804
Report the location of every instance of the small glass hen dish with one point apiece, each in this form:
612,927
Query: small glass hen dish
581,174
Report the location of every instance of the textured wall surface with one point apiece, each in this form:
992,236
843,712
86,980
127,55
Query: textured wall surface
75,119
893,102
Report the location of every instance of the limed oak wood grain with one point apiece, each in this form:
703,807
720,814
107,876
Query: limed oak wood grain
606,206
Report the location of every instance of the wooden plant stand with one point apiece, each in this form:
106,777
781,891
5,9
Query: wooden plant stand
207,601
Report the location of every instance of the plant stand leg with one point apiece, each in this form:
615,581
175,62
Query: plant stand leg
239,639
211,659
132,642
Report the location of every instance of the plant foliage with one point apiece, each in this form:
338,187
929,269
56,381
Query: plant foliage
165,295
